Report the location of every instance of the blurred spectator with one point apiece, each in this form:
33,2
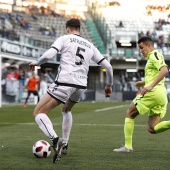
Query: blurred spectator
148,33
53,32
141,34
122,79
43,86
13,35
50,77
25,24
34,16
42,10
154,35
19,18
12,84
138,76
21,83
120,24
8,25
53,13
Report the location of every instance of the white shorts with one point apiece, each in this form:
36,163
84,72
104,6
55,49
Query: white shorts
63,93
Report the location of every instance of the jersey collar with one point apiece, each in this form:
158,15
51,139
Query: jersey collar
77,35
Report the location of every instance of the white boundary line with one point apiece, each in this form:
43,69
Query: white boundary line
57,124
98,110
109,108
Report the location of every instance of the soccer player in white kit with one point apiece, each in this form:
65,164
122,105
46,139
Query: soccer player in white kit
70,83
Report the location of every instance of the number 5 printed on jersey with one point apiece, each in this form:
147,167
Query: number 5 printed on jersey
80,58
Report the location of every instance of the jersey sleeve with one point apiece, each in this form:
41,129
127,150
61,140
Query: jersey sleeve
158,60
54,49
49,54
97,57
58,44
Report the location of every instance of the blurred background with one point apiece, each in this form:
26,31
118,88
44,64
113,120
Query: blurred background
29,27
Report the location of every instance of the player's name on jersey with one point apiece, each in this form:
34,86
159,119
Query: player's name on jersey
77,76
80,42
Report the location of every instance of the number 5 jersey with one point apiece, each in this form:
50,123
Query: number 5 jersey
76,55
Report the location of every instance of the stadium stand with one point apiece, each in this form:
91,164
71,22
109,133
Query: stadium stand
43,29
94,32
144,17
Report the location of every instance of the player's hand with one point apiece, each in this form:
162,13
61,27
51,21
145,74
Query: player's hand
139,84
145,90
108,90
32,66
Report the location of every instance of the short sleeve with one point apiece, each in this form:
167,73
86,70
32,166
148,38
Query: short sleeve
58,44
158,60
97,57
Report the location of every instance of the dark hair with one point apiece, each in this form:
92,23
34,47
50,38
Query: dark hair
145,39
73,23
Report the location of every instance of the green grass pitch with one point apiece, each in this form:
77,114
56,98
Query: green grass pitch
97,130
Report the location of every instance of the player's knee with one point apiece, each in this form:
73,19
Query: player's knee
151,130
128,115
66,110
34,114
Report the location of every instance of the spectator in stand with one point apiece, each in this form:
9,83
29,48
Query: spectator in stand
49,76
122,79
53,13
168,41
13,35
25,24
53,32
154,35
21,83
12,83
161,42
141,34
34,16
148,33
19,18
42,10
121,24
43,86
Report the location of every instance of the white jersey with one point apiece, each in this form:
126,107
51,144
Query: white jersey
76,54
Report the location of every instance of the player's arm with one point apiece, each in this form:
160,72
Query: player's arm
49,54
109,77
161,75
109,71
139,84
99,59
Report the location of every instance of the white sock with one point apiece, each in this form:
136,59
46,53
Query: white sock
66,125
46,125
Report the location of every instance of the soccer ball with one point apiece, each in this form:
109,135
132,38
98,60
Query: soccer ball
41,149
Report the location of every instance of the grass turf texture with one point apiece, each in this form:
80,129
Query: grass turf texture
93,137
